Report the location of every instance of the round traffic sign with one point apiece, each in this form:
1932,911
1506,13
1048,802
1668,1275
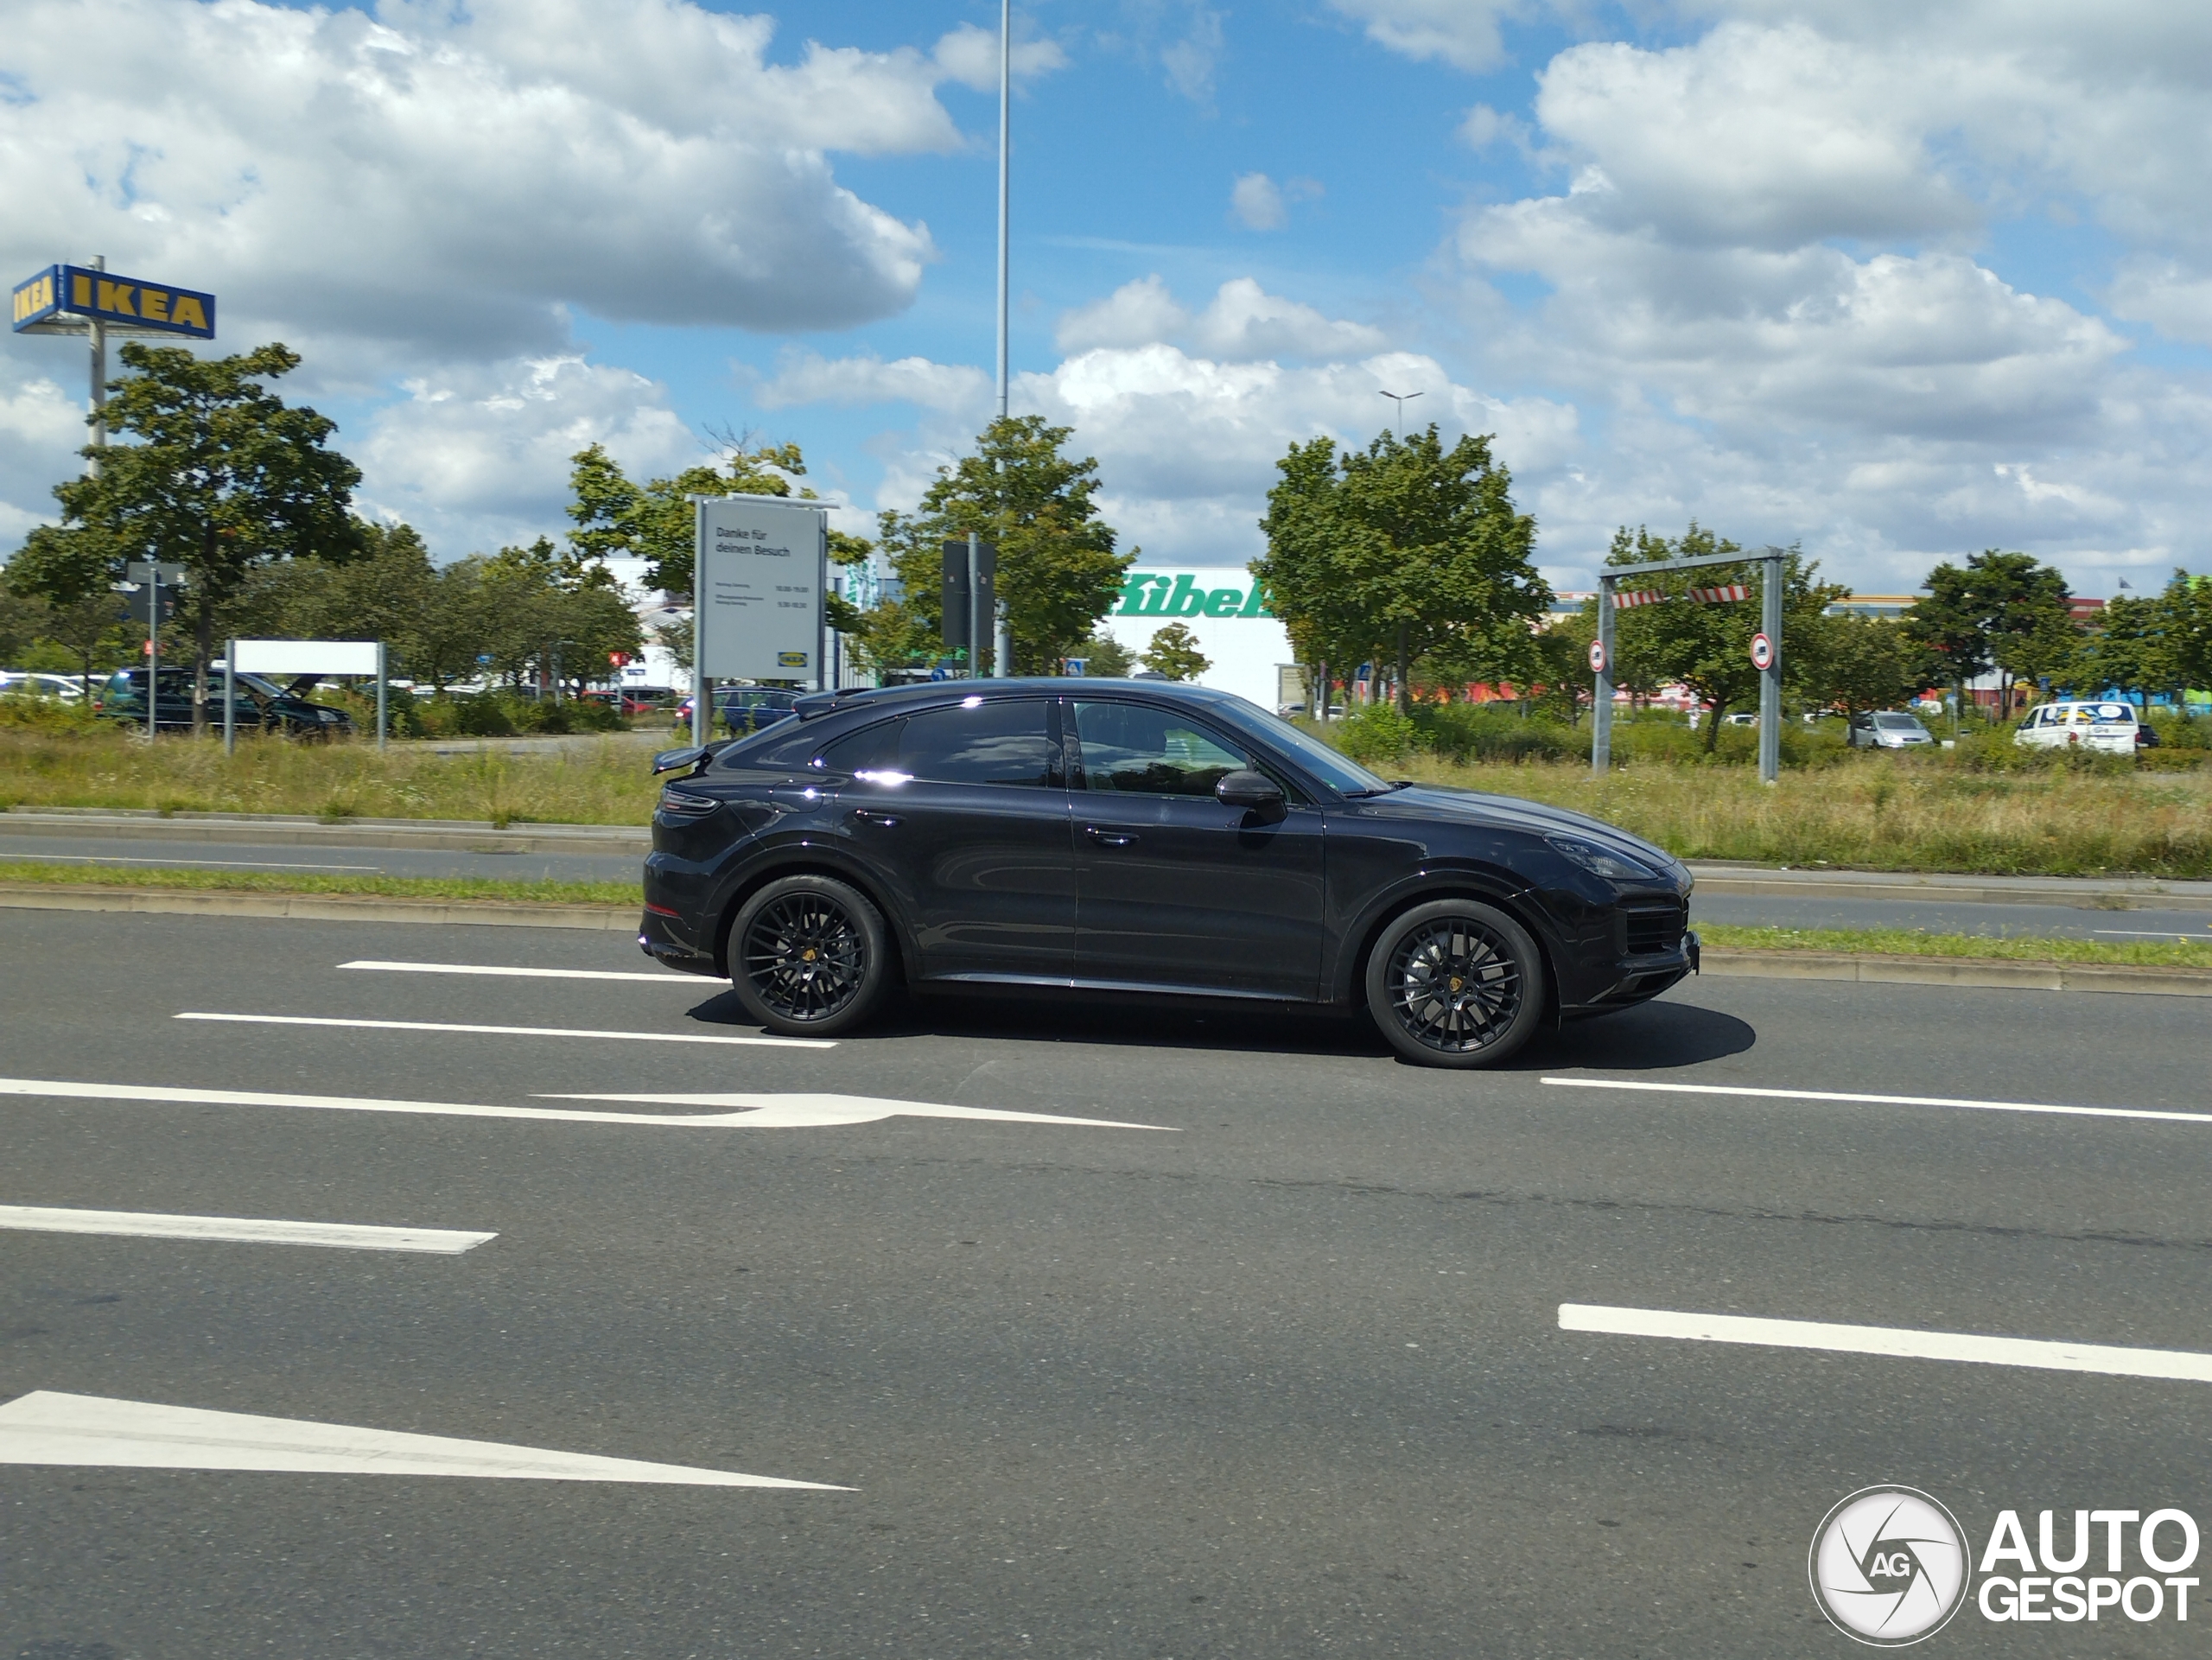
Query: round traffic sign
1597,656
1762,653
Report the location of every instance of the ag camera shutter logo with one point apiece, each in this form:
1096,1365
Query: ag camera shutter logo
1888,1565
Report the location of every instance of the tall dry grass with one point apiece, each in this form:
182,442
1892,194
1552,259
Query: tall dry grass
586,781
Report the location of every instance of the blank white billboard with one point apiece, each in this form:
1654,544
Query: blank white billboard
287,657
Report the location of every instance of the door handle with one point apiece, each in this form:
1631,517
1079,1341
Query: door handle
889,821
1109,838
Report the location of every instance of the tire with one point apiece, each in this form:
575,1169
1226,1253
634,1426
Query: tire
809,956
1456,984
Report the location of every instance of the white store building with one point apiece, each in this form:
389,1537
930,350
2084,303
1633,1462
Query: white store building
1224,608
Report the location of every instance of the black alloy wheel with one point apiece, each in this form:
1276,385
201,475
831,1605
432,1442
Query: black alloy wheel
1455,982
809,955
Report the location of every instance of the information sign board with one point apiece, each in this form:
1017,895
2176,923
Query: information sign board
759,588
62,297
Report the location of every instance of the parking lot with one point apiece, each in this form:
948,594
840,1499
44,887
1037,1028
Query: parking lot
1092,1332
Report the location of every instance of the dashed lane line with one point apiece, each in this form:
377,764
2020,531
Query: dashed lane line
737,1111
80,1430
239,1230
1893,1341
1852,1099
663,979
514,1031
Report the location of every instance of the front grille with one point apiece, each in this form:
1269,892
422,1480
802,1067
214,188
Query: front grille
1655,928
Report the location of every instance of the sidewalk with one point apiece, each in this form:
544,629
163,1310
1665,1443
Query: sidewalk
2089,892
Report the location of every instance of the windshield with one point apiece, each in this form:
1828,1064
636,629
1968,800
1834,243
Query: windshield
1332,766
1897,722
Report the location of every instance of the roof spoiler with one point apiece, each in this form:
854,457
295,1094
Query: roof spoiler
672,760
816,704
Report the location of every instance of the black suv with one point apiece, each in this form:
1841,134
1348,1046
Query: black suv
260,704
1116,836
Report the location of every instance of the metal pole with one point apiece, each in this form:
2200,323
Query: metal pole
230,697
1006,89
383,707
699,688
974,609
98,332
1770,676
1601,699
822,680
1002,644
153,646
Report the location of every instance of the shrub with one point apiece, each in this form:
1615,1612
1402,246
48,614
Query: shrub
1494,732
1376,734
484,715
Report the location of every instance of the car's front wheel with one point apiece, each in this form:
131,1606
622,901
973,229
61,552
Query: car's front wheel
1456,983
809,956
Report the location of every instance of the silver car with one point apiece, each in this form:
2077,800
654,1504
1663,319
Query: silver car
1890,729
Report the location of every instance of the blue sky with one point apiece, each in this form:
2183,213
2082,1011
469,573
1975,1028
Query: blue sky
1896,281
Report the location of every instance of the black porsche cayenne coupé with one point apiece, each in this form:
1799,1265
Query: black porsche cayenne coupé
1138,838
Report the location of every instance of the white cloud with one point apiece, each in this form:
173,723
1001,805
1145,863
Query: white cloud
476,456
1242,322
1463,33
809,378
444,179
970,56
2172,299
42,429
1255,202
1190,61
1135,313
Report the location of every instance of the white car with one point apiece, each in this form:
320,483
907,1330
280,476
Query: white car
2071,724
1891,729
33,683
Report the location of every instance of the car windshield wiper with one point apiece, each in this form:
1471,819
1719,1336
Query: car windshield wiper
1395,785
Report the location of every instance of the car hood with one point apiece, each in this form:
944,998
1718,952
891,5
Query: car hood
1434,801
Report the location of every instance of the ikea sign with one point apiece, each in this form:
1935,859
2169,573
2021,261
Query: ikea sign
73,294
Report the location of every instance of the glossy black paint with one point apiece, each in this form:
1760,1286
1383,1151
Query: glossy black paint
1051,882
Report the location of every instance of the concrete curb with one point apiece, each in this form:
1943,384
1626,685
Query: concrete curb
2079,893
1982,972
623,919
433,834
317,907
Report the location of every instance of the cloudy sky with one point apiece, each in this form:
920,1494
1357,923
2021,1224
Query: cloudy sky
1898,280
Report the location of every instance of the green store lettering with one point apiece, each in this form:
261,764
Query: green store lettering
1147,594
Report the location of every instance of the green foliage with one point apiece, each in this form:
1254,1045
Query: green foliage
1707,647
1998,610
1104,656
656,521
1493,732
1174,652
224,477
1377,734
1058,570
1859,663
1404,542
2189,622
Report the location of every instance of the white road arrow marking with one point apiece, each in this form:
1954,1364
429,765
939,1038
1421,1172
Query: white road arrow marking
750,1112
515,1031
45,1427
242,1230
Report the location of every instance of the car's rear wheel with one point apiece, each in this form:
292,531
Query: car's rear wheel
809,955
1455,982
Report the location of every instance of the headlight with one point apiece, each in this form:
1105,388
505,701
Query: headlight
1603,862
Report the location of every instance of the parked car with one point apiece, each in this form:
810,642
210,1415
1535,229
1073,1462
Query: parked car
36,682
629,703
1144,837
741,709
1891,729
261,705
2071,723
1741,720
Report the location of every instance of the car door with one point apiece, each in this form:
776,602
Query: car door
1174,888
964,814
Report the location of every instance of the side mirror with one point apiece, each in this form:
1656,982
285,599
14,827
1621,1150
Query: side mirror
1245,788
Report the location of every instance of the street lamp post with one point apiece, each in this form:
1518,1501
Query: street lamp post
1404,694
1402,399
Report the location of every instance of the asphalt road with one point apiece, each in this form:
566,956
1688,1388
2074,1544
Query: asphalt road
1281,1374
2142,920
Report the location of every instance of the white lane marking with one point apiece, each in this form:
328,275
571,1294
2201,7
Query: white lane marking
2146,933
747,1111
1882,1100
245,1229
123,859
663,979
46,1427
1899,1342
514,1031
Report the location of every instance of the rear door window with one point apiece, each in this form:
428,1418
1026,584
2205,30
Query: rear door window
997,741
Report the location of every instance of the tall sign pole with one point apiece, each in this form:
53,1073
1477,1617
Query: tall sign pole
1601,696
97,331
1006,90
1771,670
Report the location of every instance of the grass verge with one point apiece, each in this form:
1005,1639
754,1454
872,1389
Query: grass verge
30,874
2003,948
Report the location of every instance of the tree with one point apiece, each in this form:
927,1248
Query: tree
1104,656
1707,647
1057,572
657,521
225,477
1409,547
1862,663
552,615
23,618
383,592
1998,610
70,571
2188,603
1174,652
2131,648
